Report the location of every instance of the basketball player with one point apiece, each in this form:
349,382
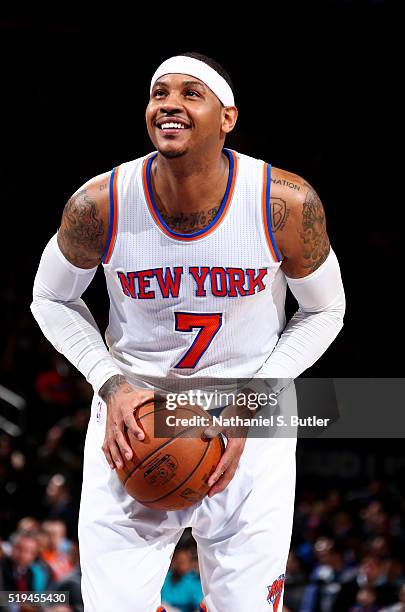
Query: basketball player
198,243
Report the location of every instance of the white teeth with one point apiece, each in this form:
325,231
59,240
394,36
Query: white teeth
167,126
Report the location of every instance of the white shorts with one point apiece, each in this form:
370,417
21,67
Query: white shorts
243,533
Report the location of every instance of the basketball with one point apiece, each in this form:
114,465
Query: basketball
170,473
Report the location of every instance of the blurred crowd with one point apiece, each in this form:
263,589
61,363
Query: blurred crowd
348,551
38,557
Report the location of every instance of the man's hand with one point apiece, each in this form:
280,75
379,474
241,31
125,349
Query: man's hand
121,399
236,437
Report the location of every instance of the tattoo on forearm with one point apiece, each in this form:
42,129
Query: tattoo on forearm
82,234
279,213
313,233
190,222
112,385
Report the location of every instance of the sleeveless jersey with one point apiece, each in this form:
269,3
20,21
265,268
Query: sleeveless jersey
205,304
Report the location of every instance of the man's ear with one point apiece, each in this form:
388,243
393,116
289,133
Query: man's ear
229,118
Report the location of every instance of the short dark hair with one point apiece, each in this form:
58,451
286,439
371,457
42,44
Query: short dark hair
212,63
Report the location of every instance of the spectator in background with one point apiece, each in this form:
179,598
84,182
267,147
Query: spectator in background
53,385
372,574
326,578
380,546
72,582
50,457
16,570
41,571
395,571
342,525
366,601
62,453
42,574
294,583
28,524
55,553
375,519
182,587
59,505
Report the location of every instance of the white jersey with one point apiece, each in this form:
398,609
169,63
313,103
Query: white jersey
208,304
205,304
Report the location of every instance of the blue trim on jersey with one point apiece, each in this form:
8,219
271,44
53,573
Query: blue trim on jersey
268,210
111,220
217,216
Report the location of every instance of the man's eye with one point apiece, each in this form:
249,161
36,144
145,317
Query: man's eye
191,92
159,92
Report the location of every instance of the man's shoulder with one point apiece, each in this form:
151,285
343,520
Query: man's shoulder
96,187
288,186
83,233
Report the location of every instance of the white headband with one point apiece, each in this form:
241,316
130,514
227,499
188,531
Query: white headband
181,64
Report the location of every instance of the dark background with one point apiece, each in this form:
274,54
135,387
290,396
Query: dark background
312,90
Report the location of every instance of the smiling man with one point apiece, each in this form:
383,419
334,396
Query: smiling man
198,243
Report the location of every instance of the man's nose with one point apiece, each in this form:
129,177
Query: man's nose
171,103
170,109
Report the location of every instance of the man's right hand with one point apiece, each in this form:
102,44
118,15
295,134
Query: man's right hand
121,400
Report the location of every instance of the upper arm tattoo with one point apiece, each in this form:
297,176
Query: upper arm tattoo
279,213
313,234
82,234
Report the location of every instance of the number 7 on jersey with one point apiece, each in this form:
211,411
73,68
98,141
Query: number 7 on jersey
209,324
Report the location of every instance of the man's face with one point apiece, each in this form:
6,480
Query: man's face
184,99
56,531
24,551
371,568
182,562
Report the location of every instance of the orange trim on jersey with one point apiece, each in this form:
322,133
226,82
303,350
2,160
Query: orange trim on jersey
114,211
145,185
233,167
203,607
160,609
266,213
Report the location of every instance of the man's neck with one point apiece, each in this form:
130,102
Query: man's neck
188,195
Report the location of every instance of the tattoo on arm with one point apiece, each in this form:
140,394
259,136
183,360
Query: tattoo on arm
313,234
112,385
285,183
279,213
82,234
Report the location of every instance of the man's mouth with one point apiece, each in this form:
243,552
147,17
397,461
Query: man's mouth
172,127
